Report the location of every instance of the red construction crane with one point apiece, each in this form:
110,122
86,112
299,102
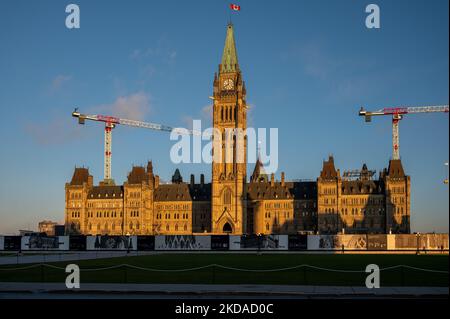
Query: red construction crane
110,123
397,114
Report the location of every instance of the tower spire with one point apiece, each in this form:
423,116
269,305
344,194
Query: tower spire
229,56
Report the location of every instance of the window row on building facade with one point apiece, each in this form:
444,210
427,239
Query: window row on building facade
174,215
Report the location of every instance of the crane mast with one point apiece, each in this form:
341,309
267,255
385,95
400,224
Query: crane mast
107,165
110,123
397,114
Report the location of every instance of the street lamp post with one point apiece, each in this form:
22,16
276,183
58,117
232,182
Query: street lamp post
259,243
128,243
418,243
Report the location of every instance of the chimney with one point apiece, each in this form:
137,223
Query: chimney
282,178
272,179
202,179
156,181
150,167
90,181
192,180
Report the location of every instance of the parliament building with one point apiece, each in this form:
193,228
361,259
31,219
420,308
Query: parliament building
233,203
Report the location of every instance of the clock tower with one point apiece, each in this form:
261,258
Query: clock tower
229,165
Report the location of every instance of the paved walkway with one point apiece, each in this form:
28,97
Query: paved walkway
180,289
49,257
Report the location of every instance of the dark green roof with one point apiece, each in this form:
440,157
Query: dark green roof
229,57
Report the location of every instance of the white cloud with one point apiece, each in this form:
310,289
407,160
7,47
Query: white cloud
162,50
134,107
59,81
57,131
250,112
207,112
188,121
171,57
316,62
63,129
136,54
205,115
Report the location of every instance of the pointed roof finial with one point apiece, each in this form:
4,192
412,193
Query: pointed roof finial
229,56
259,149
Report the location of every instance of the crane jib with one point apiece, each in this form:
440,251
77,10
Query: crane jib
414,109
111,122
395,110
397,114
108,119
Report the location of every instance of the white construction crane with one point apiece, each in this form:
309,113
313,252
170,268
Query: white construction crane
397,114
110,123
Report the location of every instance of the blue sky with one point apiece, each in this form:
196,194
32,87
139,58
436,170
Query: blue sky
308,67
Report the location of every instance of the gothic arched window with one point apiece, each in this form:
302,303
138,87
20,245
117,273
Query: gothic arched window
227,197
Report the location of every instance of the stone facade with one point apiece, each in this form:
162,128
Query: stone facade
232,203
363,205
228,210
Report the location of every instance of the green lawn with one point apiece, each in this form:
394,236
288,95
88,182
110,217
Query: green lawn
395,277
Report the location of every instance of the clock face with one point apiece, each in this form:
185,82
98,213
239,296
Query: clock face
228,84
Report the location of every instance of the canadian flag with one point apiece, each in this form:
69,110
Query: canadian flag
235,7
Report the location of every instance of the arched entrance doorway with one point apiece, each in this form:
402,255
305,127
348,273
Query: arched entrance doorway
227,228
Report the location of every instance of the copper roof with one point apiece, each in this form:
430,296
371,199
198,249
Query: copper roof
259,174
290,190
105,191
80,176
229,56
176,177
173,192
137,175
395,169
328,169
362,187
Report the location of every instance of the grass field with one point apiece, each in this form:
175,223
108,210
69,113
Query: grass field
215,275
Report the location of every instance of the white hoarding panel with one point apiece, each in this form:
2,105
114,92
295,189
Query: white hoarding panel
104,242
182,242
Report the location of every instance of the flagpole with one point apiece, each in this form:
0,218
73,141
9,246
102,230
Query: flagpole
233,7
